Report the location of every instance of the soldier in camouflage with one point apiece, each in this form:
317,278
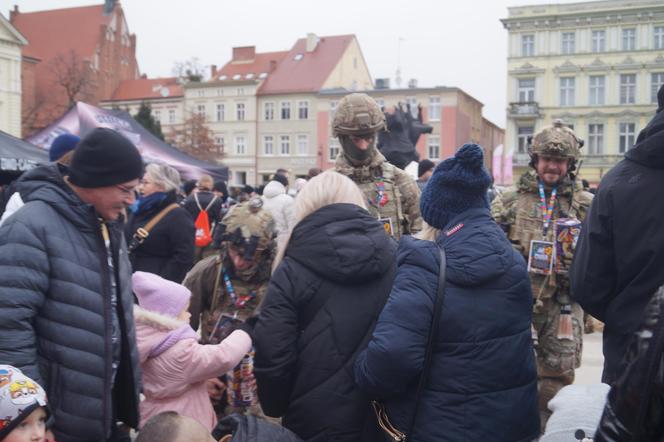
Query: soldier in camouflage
392,195
528,212
231,286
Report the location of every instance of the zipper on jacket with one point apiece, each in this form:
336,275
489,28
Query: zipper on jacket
103,230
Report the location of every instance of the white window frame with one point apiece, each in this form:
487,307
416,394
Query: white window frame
597,90
568,42
527,45
303,110
595,138
268,144
525,93
413,105
201,109
333,150
221,111
598,40
522,134
333,109
157,115
628,41
433,147
220,142
658,37
285,110
240,111
626,135
268,111
627,92
567,91
171,116
284,145
434,109
240,145
302,144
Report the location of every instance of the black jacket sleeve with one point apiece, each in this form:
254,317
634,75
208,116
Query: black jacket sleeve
182,236
593,272
275,339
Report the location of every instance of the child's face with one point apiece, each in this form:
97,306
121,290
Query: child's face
31,429
184,316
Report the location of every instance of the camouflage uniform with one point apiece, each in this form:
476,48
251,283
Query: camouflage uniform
518,211
392,195
249,226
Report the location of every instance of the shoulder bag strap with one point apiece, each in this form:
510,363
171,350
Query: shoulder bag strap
431,340
143,232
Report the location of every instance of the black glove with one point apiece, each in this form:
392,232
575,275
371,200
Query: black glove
248,326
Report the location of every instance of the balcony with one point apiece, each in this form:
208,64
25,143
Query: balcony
524,110
600,160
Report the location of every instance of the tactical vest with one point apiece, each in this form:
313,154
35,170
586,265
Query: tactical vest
391,212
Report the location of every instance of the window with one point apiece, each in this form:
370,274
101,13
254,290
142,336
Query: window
221,112
285,145
627,88
200,93
527,45
598,40
268,145
200,110
268,111
412,102
597,83
434,147
285,110
526,90
333,149
157,116
333,109
303,110
595,139
302,144
657,80
626,135
240,178
522,138
220,92
171,116
240,91
219,141
659,37
567,91
240,145
434,108
629,39
239,111
567,42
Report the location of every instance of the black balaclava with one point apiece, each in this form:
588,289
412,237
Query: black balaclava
355,156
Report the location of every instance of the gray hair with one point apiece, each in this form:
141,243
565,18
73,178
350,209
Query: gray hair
164,176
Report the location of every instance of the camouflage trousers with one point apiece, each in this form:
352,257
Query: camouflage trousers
556,358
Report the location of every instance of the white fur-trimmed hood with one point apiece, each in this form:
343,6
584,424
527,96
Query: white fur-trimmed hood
156,320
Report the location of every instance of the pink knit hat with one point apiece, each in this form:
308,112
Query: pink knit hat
159,295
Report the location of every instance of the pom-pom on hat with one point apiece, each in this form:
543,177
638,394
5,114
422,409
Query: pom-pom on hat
19,396
61,145
457,184
160,295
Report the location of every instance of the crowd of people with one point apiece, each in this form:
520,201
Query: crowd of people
355,304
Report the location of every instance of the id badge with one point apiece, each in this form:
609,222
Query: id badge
223,327
541,257
387,225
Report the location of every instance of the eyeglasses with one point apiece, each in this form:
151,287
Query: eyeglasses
126,191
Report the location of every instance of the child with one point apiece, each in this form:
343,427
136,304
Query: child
23,409
175,366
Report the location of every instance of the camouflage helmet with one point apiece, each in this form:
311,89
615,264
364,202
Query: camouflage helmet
556,140
357,114
250,226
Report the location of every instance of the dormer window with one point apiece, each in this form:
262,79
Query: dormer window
298,57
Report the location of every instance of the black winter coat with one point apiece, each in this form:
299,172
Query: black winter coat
55,308
169,249
619,260
320,309
204,198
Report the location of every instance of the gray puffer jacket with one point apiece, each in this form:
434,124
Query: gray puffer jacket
55,308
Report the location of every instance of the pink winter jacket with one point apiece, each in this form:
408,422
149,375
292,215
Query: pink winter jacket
175,378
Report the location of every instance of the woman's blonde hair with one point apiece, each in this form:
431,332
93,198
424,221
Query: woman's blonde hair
163,176
428,233
322,190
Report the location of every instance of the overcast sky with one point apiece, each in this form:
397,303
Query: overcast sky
437,42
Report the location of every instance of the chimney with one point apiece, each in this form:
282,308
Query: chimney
244,53
109,5
382,83
412,83
144,76
312,42
273,65
213,71
13,14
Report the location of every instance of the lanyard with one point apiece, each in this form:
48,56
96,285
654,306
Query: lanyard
381,196
547,211
240,301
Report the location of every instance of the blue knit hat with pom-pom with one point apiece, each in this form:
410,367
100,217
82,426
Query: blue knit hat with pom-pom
458,184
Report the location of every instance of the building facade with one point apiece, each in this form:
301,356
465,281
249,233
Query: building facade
11,44
595,65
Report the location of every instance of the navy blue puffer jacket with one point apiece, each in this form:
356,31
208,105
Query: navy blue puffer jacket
483,380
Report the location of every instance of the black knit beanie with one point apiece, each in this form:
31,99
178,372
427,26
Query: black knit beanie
105,158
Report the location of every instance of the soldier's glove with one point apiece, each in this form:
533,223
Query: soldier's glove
248,326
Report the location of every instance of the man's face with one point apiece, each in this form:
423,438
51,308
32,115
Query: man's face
362,142
426,175
551,170
111,201
236,254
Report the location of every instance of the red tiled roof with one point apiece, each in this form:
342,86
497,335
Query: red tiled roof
144,88
60,30
308,74
260,64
